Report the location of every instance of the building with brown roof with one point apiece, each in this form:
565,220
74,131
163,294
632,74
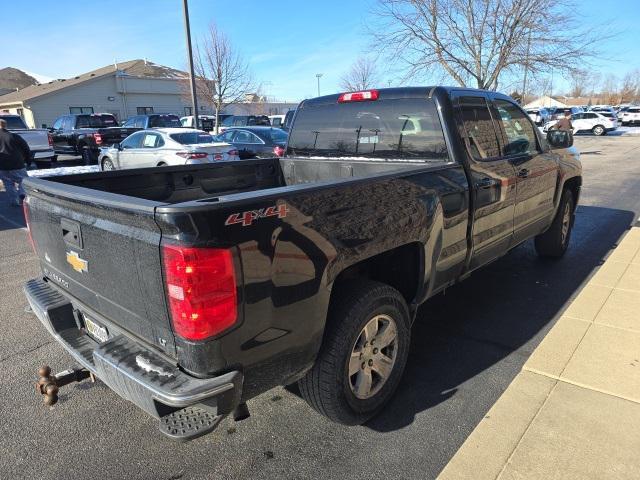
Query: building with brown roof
123,89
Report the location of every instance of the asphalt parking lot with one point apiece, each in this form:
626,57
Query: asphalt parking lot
467,346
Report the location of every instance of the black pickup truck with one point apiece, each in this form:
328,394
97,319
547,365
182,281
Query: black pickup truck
84,134
190,289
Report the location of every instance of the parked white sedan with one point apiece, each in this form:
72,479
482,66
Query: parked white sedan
165,146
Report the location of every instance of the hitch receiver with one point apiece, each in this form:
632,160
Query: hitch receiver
49,385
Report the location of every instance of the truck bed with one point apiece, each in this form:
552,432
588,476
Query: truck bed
173,185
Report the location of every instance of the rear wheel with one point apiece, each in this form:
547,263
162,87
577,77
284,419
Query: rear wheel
107,164
554,242
88,156
598,130
363,354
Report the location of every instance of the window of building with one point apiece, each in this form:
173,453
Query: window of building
144,110
187,111
79,110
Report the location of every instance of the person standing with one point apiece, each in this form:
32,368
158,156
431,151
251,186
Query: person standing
564,123
14,155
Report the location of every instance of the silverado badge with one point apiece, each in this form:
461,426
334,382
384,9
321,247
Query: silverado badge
78,264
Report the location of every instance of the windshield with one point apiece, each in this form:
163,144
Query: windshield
96,121
164,121
399,128
192,138
14,123
278,136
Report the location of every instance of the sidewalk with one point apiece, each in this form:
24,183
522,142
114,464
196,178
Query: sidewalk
573,412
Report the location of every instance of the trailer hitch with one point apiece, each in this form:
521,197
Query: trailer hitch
49,385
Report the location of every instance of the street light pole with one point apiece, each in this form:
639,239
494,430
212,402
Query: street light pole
318,75
194,94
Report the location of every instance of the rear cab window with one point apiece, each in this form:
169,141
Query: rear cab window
393,129
14,123
96,121
164,121
192,138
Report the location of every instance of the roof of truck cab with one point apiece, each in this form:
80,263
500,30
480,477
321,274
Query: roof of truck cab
169,130
395,93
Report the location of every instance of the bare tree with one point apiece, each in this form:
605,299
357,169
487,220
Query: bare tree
476,42
630,88
362,75
579,84
223,77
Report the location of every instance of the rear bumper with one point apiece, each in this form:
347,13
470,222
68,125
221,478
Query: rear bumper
39,154
133,371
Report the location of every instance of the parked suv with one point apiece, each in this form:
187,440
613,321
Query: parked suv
154,120
631,116
539,116
245,121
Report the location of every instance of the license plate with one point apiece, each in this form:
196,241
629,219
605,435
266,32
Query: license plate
96,331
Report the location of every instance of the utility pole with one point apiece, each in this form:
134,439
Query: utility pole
318,75
194,92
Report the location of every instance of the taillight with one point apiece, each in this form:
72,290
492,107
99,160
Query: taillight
278,151
363,96
98,138
50,138
27,221
201,287
192,155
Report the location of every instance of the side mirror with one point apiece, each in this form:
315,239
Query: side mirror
559,139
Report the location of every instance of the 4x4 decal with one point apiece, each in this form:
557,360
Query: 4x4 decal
247,218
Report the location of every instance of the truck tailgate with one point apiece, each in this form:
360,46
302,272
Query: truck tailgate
37,140
114,135
105,254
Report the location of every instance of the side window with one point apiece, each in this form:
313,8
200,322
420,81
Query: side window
227,136
152,140
139,122
520,136
57,125
247,137
132,141
590,116
478,128
577,116
68,123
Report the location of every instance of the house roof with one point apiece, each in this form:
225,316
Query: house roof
134,68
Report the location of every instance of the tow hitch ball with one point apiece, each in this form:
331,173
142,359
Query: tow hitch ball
49,385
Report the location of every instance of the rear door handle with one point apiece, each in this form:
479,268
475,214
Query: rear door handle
524,173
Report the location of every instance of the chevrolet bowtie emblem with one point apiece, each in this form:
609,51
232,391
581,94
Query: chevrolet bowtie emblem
78,264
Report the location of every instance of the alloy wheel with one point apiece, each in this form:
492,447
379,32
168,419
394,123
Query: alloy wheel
373,356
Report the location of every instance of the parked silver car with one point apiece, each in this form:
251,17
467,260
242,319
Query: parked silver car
165,146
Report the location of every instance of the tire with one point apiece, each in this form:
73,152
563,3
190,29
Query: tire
328,387
554,242
89,157
107,165
598,130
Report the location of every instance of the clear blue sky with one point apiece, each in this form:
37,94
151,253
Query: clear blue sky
286,42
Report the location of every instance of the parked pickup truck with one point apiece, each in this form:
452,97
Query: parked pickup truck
84,134
39,140
190,289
